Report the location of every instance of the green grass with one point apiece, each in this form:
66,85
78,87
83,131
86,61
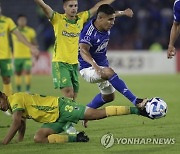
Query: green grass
164,86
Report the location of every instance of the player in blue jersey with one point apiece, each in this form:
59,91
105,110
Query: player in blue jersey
94,66
175,30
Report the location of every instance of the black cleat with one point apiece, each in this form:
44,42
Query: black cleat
82,137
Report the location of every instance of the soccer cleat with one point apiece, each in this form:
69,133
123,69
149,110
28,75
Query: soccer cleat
82,137
144,113
141,103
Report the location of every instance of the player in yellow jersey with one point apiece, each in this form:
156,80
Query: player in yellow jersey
54,113
22,54
67,28
7,26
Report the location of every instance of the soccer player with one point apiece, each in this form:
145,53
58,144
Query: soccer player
22,54
67,28
7,26
94,67
54,113
175,30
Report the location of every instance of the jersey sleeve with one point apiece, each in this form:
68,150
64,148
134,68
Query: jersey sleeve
17,104
11,25
33,34
84,16
55,18
176,10
85,38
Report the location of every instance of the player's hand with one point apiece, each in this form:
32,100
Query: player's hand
128,12
35,51
171,52
98,69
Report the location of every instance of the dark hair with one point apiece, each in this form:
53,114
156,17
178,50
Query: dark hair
21,15
106,8
65,1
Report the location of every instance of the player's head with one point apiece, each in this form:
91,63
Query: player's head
105,17
70,7
22,20
3,102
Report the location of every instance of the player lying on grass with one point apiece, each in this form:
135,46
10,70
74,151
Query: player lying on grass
54,113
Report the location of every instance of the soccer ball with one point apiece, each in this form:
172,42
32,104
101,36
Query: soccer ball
156,108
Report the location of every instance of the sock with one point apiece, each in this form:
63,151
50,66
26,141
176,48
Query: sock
56,138
134,110
117,110
27,81
18,81
120,86
7,89
97,102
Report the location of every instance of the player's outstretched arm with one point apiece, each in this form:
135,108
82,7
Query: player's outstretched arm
128,12
21,38
22,130
94,9
46,8
175,32
16,124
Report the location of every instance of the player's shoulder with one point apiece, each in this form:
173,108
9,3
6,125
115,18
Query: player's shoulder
5,18
30,28
82,13
177,4
17,96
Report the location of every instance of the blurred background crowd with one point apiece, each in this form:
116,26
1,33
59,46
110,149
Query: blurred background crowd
149,29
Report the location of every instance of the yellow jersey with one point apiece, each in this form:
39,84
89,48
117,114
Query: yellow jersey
44,109
67,36
21,50
6,26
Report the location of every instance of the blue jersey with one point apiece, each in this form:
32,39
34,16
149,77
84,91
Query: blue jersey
176,10
97,41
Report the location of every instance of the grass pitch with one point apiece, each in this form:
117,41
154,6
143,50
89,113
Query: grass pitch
123,127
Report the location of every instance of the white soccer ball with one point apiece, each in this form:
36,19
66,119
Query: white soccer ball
156,108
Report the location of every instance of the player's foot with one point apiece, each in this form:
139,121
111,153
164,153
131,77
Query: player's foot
144,113
141,103
84,123
82,137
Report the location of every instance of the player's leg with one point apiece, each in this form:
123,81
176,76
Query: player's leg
18,65
6,73
62,78
108,74
106,89
96,114
27,70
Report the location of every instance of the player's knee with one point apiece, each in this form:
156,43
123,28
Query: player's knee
68,92
109,98
107,73
6,80
38,139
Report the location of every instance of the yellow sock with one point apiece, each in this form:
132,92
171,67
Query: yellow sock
117,110
7,89
27,79
18,80
56,138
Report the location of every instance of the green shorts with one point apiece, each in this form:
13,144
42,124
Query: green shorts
65,75
69,112
6,67
21,64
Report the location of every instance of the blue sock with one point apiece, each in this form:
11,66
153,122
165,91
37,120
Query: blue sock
97,102
120,86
